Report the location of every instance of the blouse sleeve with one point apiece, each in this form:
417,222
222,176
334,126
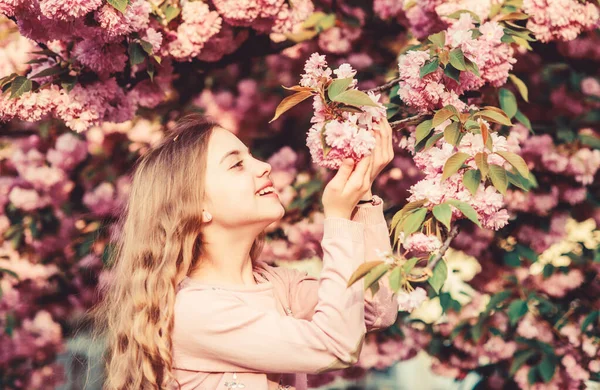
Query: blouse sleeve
218,332
381,309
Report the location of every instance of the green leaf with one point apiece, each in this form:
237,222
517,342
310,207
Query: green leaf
375,274
521,34
19,86
526,252
68,82
326,22
56,69
46,52
438,40
10,324
36,61
354,97
495,116
442,115
518,181
452,72
171,13
471,180
496,300
457,59
338,86
452,133
440,273
546,368
147,46
290,102
443,213
472,67
590,140
589,319
482,163
136,54
423,129
516,310
516,161
476,331
406,209
413,221
548,270
410,264
453,164
508,102
396,279
150,70
470,124
119,5
7,79
524,120
432,140
456,15
519,359
466,209
429,67
514,16
363,270
391,110
313,19
521,87
499,179
512,259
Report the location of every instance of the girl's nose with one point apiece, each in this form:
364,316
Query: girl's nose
266,168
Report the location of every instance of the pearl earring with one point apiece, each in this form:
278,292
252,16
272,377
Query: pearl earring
207,216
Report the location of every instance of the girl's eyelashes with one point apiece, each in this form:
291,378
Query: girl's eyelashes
239,164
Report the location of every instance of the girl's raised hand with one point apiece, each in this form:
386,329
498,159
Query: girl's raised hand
383,152
345,189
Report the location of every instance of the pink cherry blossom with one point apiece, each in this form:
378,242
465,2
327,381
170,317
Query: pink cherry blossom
410,301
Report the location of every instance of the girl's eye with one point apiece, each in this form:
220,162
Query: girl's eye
239,164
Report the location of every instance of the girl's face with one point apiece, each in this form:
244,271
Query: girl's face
234,179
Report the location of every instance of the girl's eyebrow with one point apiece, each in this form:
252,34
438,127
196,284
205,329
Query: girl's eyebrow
232,153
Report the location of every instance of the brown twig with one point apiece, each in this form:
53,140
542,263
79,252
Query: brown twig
429,269
411,120
385,86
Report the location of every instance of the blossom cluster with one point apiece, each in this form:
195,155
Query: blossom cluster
562,20
336,133
493,58
94,39
487,202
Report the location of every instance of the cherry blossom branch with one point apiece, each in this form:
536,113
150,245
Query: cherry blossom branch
411,120
453,233
428,271
385,86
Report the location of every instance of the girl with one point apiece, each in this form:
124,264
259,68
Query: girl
191,307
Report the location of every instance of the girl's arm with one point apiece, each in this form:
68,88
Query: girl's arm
381,310
216,331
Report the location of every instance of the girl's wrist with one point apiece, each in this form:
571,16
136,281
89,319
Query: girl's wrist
367,196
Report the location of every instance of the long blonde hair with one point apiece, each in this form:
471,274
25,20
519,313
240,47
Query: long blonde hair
159,243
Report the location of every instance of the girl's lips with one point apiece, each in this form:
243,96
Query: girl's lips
269,194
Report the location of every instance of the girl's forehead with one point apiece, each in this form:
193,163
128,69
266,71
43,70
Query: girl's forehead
221,143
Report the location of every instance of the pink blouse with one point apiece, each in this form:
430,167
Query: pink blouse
270,335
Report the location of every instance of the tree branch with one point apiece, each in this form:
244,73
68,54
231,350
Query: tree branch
390,84
411,120
453,233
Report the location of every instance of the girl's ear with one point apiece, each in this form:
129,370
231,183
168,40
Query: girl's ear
206,217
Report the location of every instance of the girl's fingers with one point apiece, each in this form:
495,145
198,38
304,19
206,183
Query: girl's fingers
362,168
